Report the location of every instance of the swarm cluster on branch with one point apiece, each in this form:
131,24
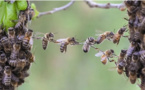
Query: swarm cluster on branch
15,52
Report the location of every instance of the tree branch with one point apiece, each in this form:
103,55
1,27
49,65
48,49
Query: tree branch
56,9
93,4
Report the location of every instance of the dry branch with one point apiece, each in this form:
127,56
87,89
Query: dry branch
93,4
57,9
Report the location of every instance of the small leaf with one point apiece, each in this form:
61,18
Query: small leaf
10,14
33,6
22,5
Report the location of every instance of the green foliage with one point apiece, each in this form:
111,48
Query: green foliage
22,5
9,12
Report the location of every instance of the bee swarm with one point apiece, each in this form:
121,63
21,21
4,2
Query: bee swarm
15,52
135,55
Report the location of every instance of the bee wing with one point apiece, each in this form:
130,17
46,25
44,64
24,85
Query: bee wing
60,40
31,41
100,53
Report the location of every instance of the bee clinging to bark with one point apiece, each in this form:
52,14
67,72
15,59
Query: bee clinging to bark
26,41
64,42
11,35
121,62
48,37
105,56
106,35
134,67
7,76
6,44
118,35
88,43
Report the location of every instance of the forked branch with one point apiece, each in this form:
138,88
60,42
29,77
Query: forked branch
57,9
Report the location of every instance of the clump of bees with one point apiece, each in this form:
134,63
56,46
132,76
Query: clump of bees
15,51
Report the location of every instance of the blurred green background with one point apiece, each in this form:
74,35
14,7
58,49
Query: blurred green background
76,70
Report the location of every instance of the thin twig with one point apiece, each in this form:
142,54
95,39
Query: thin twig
57,9
93,4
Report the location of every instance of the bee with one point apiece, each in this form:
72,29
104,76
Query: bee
105,55
46,39
134,67
21,21
121,62
11,35
26,41
15,80
20,64
131,49
142,57
15,51
118,35
64,42
7,76
3,58
1,73
6,44
30,56
30,13
106,35
89,42
23,74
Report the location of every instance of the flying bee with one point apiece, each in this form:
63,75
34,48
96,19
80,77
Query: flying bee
20,64
134,67
27,38
105,55
121,62
64,42
89,42
3,58
15,51
11,35
7,76
46,39
6,44
118,35
106,35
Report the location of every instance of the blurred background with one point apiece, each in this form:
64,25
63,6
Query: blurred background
76,70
